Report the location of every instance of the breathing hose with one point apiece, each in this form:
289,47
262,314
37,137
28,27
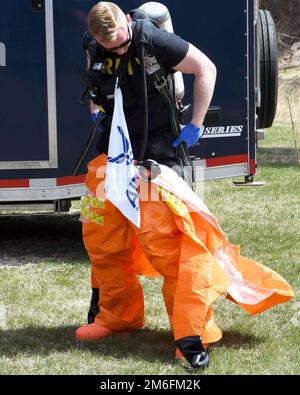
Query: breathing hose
88,144
146,113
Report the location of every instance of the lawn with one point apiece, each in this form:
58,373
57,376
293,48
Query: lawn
44,287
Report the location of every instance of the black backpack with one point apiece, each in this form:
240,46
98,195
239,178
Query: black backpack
153,73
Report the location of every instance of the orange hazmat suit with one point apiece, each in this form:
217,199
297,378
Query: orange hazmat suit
180,240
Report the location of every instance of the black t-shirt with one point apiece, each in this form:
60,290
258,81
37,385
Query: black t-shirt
169,50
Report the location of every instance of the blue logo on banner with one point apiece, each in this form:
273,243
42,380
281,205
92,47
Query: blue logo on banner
126,154
132,194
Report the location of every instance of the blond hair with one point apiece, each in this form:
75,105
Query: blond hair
104,19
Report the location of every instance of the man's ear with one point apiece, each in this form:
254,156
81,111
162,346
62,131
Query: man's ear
129,19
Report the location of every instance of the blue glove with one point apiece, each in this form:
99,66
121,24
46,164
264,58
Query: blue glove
189,135
94,116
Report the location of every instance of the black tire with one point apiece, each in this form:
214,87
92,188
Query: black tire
268,70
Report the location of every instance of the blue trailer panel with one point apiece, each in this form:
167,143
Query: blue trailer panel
23,94
44,129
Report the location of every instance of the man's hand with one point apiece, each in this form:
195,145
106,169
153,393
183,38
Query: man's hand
97,117
190,135
94,116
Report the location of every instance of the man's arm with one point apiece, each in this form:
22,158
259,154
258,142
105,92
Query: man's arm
205,72
93,107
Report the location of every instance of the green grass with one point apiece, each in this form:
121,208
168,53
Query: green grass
44,287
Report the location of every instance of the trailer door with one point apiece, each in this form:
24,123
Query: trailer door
226,33
28,92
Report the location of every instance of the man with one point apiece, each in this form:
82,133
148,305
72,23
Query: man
178,246
115,34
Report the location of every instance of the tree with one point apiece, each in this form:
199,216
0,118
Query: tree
286,14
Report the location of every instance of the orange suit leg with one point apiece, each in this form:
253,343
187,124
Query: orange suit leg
159,239
191,276
109,246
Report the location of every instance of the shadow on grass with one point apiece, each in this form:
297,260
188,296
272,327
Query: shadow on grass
277,157
232,339
33,238
146,344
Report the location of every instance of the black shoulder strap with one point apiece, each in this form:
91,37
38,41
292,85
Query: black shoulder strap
90,46
158,75
137,13
141,35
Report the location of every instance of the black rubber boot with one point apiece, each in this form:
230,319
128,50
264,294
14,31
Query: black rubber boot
193,351
94,306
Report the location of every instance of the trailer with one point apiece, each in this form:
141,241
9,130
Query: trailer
43,128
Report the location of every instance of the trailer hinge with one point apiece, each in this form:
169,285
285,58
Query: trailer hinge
38,5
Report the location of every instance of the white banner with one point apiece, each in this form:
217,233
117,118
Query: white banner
121,177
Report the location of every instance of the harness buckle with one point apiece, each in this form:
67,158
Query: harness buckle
162,84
